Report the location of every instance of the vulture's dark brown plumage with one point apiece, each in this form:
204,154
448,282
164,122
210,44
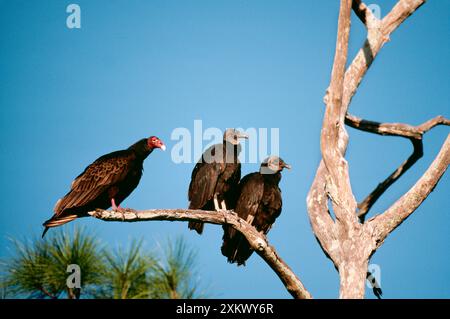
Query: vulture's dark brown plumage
216,176
104,183
259,203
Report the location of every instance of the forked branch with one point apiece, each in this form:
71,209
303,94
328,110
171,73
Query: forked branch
413,133
386,222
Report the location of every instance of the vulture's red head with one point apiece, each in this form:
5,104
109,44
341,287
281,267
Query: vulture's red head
154,142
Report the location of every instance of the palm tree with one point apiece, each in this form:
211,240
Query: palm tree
38,268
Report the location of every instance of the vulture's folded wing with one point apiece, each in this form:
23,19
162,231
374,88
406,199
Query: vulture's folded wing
105,172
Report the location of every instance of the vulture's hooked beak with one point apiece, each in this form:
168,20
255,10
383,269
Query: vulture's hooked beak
242,135
285,165
163,147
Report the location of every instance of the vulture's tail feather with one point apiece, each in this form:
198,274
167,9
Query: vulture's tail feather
197,226
235,247
57,221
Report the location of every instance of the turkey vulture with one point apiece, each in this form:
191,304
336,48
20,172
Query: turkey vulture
259,203
216,176
104,183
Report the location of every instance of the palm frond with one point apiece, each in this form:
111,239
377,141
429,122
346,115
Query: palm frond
38,268
174,276
126,273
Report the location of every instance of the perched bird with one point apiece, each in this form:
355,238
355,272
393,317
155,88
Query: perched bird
259,203
216,176
104,183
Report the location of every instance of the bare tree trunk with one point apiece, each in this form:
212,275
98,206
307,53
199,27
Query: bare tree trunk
352,261
353,278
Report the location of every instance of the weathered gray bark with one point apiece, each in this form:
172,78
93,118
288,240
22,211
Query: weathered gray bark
348,241
352,278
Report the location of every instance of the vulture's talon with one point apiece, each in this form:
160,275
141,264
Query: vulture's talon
224,214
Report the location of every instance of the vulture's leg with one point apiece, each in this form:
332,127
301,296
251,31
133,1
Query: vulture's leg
224,205
117,208
216,203
114,206
112,192
250,219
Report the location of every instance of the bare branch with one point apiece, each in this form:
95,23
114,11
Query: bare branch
438,120
365,14
399,13
48,294
319,216
333,130
376,39
414,133
394,129
257,241
386,222
369,201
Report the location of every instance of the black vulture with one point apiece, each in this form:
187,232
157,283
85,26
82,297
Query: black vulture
104,183
215,177
259,203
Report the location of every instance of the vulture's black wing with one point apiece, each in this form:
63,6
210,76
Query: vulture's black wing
230,184
251,191
203,184
204,180
270,208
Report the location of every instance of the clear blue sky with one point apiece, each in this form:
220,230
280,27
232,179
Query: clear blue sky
141,68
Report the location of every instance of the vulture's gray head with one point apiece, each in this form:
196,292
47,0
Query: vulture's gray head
232,136
272,165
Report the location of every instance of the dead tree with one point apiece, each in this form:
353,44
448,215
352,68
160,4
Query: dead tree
349,241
